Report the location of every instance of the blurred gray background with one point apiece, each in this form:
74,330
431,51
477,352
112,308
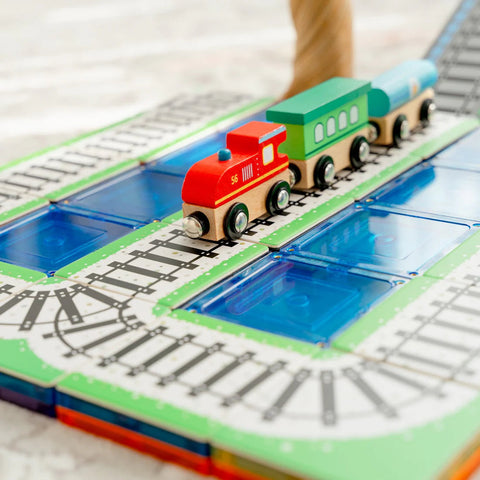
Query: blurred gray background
67,67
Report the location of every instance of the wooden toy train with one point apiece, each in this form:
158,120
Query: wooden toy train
317,133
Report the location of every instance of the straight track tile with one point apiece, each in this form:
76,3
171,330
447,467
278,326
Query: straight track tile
60,171
158,263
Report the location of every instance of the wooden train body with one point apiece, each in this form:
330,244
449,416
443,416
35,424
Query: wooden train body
402,99
327,130
249,178
318,132
330,126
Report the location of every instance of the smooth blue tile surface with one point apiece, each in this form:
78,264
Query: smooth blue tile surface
380,240
464,154
141,195
293,297
432,190
53,237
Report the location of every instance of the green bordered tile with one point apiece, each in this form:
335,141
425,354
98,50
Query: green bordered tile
67,143
158,263
461,264
14,205
286,406
282,407
347,406
367,325
170,372
57,172
430,324
406,451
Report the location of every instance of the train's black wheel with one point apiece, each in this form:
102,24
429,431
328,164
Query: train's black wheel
295,174
324,171
278,197
359,152
427,110
401,130
236,221
196,225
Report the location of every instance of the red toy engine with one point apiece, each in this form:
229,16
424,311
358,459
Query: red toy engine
244,181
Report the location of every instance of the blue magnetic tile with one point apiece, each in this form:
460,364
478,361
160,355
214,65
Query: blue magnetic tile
157,433
53,237
141,195
290,296
27,395
427,189
181,160
464,154
380,240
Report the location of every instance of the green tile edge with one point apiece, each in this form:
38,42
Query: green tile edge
113,247
332,206
18,360
207,279
22,209
173,217
426,447
387,310
433,146
22,273
131,403
258,336
455,258
308,219
382,313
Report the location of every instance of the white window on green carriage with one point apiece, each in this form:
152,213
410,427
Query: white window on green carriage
330,127
268,154
354,114
342,121
319,135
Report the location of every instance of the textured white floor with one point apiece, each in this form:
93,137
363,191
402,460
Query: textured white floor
67,67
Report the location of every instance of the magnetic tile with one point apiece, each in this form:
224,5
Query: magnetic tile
430,189
91,158
380,240
159,263
141,195
294,297
345,407
53,237
429,325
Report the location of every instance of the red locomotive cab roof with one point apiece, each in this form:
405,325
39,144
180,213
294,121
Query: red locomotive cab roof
218,178
252,135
